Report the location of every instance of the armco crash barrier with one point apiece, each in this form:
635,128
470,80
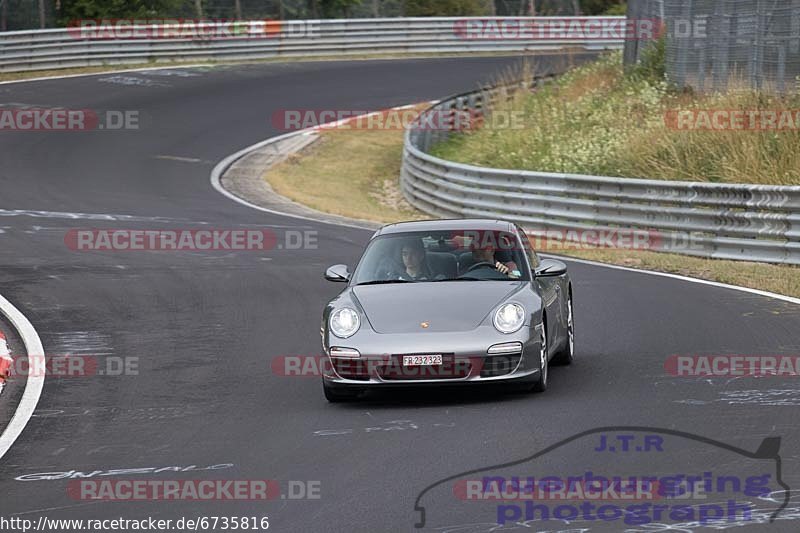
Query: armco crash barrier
723,221
74,47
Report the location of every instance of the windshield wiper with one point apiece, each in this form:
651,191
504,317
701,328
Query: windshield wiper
384,281
461,278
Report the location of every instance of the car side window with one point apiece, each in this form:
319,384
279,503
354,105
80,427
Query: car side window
533,259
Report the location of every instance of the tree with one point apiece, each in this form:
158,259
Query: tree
92,9
600,7
328,9
448,8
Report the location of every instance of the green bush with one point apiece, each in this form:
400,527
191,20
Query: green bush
653,63
617,10
72,10
603,7
447,8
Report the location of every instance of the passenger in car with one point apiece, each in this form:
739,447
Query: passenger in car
414,263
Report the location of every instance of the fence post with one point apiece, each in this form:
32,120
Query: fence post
630,54
701,69
683,45
720,45
781,68
754,65
794,41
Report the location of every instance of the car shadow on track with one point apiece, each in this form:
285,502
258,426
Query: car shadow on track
442,395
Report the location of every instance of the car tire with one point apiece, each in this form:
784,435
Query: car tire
339,394
540,385
567,354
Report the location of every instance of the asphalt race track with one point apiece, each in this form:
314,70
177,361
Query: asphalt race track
205,326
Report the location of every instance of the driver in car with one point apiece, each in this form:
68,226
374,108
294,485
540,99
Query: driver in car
486,254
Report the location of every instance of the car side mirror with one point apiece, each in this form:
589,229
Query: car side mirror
338,273
550,268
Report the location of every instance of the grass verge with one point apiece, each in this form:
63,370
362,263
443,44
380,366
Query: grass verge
354,173
597,120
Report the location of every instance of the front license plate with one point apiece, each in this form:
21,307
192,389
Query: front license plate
422,360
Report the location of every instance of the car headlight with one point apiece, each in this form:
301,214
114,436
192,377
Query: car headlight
509,318
344,322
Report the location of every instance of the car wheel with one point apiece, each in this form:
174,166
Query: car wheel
339,394
567,354
540,385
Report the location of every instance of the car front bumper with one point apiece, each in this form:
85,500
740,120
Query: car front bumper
466,358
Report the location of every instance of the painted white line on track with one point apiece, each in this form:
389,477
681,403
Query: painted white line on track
758,292
104,72
35,381
180,158
222,166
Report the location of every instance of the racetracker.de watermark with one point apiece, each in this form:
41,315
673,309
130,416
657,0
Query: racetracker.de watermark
543,240
192,490
177,240
618,238
396,119
581,239
553,497
190,29
387,366
559,29
751,120
733,365
73,366
557,489
60,119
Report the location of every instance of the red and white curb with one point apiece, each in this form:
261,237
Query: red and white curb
5,361
33,385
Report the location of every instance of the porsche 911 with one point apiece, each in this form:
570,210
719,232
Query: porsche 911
447,301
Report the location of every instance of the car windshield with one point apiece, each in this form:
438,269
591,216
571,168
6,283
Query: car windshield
463,255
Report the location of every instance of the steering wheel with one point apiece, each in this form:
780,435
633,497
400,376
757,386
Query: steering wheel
482,264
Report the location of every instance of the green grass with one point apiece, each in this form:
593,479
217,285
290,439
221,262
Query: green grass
597,120
352,173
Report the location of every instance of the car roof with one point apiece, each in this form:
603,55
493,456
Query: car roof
452,224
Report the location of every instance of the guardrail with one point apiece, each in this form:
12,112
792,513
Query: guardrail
248,40
724,221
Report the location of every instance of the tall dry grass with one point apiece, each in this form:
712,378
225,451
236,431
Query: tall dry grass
598,120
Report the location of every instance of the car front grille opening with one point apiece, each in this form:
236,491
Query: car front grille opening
352,368
499,365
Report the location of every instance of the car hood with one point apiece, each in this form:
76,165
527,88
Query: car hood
444,305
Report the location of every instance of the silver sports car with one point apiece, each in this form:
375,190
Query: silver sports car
446,301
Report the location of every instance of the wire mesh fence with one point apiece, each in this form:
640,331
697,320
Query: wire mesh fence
25,14
717,44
